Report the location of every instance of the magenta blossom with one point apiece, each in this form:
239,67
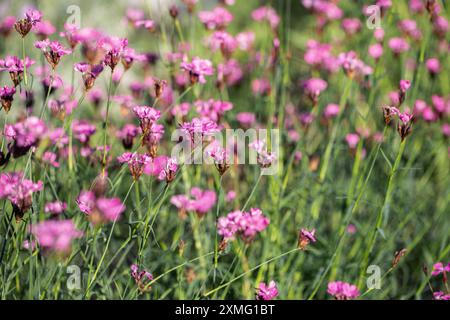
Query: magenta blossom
55,208
264,157
313,88
56,235
305,237
100,210
267,292
343,290
198,69
115,49
127,135
142,278
201,201
439,268
7,97
147,117
19,191
398,45
218,18
25,134
266,14
136,163
352,140
23,26
245,225
15,67
53,51
199,128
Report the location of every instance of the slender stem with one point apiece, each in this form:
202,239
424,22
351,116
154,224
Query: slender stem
383,210
216,238
105,125
251,270
252,192
25,77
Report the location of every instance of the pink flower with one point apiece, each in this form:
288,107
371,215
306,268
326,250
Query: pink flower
201,202
83,130
111,209
56,235
433,66
267,292
398,45
100,210
142,278
50,158
352,140
212,109
266,14
53,51
25,134
352,65
261,87
7,97
245,40
169,170
331,110
246,118
313,88
115,49
351,25
343,290
199,128
439,295
6,25
376,51
147,24
19,191
219,18
229,73
147,117
264,157
198,69
439,268
136,163
71,34
127,135
55,208
15,67
230,196
23,26
243,224
305,237
223,41
89,73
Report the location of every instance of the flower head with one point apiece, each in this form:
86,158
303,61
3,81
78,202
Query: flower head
218,18
147,117
439,268
305,237
136,163
245,225
200,202
100,210
15,66
7,97
55,208
313,88
343,290
89,73
198,69
56,235
23,26
267,292
53,51
142,278
264,157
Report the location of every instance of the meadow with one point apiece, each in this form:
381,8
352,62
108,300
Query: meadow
335,184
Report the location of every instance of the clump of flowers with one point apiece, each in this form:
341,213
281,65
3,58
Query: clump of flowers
267,292
141,277
18,190
56,235
245,225
201,202
24,135
55,208
343,290
100,210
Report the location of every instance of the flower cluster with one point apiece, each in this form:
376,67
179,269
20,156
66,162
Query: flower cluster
201,202
267,292
100,210
245,225
56,235
343,290
142,278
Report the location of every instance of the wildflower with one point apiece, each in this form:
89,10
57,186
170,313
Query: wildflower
343,290
267,292
142,278
439,268
23,26
100,210
15,66
169,170
199,128
146,24
83,130
433,66
220,158
25,135
201,202
351,229
352,65
19,191
56,235
388,113
331,111
313,88
152,139
246,118
136,163
129,56
245,40
127,135
212,109
115,49
53,51
352,140
223,41
404,126
7,97
376,51
404,86
6,25
351,25
55,208
230,196
71,34
266,14
147,117
261,87
305,237
245,225
43,29
89,73
217,19
198,69
50,158
229,73
264,157
439,295
398,45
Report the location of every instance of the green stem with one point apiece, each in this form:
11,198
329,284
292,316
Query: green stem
216,239
383,212
105,125
252,192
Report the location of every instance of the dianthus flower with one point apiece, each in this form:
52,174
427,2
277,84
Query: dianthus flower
198,69
343,290
53,51
136,163
245,225
15,66
56,235
23,26
267,292
100,210
200,202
